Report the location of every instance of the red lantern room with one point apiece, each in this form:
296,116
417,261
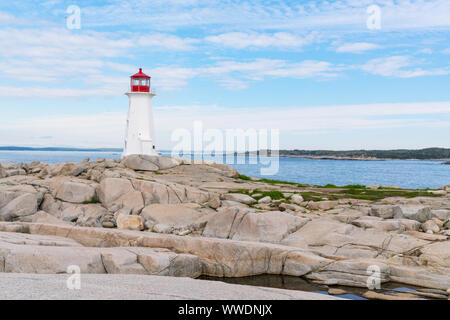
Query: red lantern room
140,82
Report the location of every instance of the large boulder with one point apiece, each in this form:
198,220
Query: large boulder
271,226
130,222
385,211
238,197
242,224
415,212
166,263
387,225
121,261
437,254
296,198
24,205
168,217
331,237
75,192
223,223
59,169
441,214
8,169
117,193
160,262
3,173
49,259
155,192
353,273
8,165
432,278
44,217
91,215
322,205
150,163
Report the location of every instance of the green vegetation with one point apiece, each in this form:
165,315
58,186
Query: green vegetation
329,186
312,196
242,191
333,192
270,181
275,195
143,179
92,200
350,186
381,194
421,154
354,186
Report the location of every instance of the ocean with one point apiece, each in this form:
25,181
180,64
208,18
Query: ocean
402,173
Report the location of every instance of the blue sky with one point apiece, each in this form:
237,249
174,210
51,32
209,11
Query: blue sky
312,69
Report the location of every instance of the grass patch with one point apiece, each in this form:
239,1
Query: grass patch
354,186
143,179
271,181
243,177
329,185
275,195
350,186
241,191
91,201
311,196
381,194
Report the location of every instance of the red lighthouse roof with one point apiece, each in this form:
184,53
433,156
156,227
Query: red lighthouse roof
140,74
140,82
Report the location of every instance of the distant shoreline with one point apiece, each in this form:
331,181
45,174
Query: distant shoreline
356,158
430,154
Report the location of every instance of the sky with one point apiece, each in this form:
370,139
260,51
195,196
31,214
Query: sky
327,74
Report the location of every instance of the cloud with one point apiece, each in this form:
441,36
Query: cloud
6,18
170,78
446,51
348,15
242,40
54,43
260,68
106,129
345,117
358,47
399,66
425,51
167,41
56,93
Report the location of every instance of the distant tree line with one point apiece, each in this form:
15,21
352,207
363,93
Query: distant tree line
422,154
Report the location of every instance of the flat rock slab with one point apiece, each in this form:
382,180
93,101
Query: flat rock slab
120,287
35,240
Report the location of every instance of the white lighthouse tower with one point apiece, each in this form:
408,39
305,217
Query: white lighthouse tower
139,137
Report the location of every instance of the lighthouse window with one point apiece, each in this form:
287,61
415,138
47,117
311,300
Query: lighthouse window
136,82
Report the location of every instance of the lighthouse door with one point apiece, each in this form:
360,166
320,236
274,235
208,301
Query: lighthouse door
147,146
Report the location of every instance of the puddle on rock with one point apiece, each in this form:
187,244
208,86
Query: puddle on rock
297,283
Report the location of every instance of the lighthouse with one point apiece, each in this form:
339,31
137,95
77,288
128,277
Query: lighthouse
139,137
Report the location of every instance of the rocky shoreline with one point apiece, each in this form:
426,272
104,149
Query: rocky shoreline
165,216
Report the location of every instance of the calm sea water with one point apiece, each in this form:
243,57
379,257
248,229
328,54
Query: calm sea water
406,174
